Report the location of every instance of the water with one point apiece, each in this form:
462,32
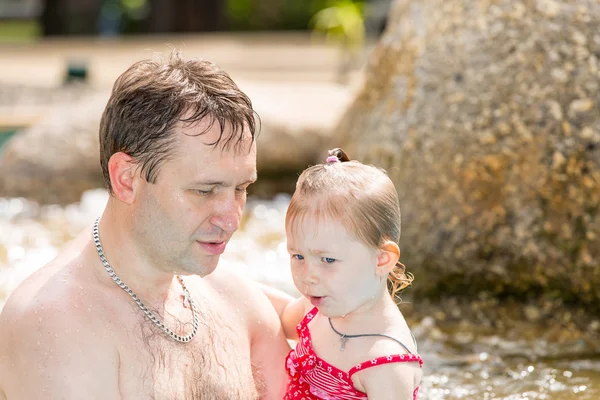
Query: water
458,364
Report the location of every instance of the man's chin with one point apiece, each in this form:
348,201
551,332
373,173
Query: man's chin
202,269
209,266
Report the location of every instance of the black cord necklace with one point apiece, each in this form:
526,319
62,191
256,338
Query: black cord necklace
344,338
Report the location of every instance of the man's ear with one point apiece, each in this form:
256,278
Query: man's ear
122,169
389,254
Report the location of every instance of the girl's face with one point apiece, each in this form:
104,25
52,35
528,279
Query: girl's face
332,269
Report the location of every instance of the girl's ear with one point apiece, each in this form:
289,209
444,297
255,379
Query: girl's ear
389,254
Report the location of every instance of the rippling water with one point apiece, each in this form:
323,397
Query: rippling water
479,368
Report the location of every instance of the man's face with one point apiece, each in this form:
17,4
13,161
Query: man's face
184,220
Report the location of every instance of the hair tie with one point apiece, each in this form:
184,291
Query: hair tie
332,159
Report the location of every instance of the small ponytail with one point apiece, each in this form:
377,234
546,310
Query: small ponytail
337,155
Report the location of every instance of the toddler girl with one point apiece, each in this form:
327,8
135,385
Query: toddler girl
343,228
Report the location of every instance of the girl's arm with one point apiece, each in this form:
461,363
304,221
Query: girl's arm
292,315
290,310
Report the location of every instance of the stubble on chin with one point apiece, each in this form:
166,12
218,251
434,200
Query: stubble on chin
201,268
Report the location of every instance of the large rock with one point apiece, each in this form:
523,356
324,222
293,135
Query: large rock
296,124
57,158
487,116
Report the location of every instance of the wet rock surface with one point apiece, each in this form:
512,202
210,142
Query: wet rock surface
486,116
54,159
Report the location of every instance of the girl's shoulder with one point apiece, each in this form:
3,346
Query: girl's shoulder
397,376
392,356
397,327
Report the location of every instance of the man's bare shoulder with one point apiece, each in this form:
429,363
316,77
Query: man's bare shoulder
44,305
50,331
51,289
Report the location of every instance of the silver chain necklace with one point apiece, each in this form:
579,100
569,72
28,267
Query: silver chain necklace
344,338
187,299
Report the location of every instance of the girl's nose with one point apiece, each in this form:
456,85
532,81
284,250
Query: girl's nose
310,277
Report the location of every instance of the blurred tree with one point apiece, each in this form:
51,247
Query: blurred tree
110,20
70,17
110,17
185,16
52,18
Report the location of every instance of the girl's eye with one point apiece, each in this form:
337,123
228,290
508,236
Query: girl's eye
328,260
202,192
298,256
242,190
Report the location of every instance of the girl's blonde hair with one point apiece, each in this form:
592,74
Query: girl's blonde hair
361,197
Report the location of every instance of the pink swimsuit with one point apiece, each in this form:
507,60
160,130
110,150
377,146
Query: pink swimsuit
314,378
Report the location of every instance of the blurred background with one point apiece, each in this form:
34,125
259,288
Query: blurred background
484,113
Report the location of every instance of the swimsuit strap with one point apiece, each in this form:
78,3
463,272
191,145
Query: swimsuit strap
396,358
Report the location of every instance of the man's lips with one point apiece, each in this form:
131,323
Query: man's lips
213,247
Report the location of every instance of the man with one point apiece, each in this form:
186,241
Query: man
135,307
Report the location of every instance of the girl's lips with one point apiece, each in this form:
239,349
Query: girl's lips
214,248
315,300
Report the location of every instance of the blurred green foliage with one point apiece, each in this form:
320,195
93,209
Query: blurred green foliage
20,31
275,14
133,4
342,22
135,9
338,20
132,14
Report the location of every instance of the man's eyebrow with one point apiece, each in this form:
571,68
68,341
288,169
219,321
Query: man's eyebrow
211,183
222,183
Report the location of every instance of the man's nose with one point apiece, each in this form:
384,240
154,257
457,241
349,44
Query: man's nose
227,214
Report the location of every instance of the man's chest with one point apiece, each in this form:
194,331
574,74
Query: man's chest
216,364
